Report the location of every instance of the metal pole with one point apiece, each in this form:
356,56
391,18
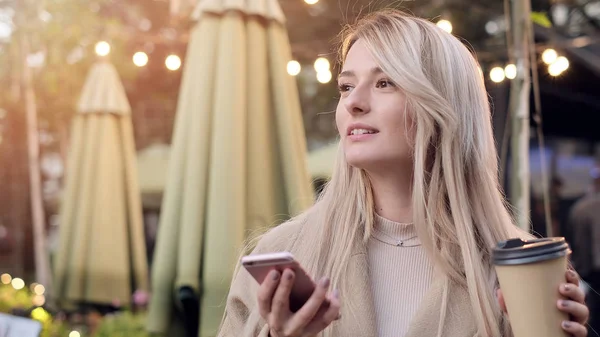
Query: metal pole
519,107
41,253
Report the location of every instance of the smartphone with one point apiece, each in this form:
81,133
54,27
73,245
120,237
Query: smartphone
260,265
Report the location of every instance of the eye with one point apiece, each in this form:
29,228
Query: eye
342,87
385,84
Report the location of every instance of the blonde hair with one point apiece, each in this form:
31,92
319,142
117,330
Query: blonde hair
459,211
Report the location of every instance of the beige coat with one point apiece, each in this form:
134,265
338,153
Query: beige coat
242,318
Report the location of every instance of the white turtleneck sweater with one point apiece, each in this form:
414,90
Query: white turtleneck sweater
400,275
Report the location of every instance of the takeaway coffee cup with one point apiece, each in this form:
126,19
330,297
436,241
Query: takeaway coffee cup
530,273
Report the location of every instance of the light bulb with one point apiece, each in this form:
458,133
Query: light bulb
324,76
321,64
140,59
549,56
102,48
18,283
293,68
173,62
562,62
445,25
497,74
510,71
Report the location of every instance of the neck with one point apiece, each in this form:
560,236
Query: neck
392,194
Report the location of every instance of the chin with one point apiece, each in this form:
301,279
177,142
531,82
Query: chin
362,162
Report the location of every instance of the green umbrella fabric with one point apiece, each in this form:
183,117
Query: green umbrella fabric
101,256
238,158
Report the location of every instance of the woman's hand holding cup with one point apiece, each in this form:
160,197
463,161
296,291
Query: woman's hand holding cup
573,304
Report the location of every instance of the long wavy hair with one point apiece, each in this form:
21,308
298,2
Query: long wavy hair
458,208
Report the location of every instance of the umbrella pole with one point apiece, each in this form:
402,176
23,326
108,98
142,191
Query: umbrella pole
42,262
519,111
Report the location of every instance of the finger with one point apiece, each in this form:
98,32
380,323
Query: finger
308,311
280,306
572,292
331,314
575,329
266,291
572,277
501,301
578,311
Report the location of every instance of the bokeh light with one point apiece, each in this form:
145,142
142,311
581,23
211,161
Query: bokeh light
562,63
510,71
102,48
497,74
39,300
39,289
173,62
140,59
18,283
445,25
321,64
5,278
549,56
324,76
293,68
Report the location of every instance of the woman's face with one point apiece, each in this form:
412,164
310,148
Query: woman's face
371,115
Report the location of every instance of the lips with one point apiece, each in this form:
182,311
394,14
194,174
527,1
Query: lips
360,129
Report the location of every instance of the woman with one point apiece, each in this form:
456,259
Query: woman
404,231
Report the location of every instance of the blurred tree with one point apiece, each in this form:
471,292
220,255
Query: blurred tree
60,37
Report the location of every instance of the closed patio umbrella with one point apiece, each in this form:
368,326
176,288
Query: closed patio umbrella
101,255
238,158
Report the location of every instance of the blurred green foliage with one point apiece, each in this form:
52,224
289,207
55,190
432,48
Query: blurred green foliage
125,324
22,300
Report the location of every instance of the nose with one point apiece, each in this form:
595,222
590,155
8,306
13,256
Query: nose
357,102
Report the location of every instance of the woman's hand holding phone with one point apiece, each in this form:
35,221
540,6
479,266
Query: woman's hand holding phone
314,316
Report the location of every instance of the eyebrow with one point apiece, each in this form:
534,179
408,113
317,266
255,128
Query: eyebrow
350,73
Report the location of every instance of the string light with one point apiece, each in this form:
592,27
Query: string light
311,2
510,71
102,48
562,63
324,76
445,25
39,289
74,334
173,62
497,74
18,283
5,279
293,67
549,56
321,64
140,59
38,300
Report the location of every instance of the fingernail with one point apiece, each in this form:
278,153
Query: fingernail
290,275
275,275
566,324
572,273
566,287
336,294
325,282
563,303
